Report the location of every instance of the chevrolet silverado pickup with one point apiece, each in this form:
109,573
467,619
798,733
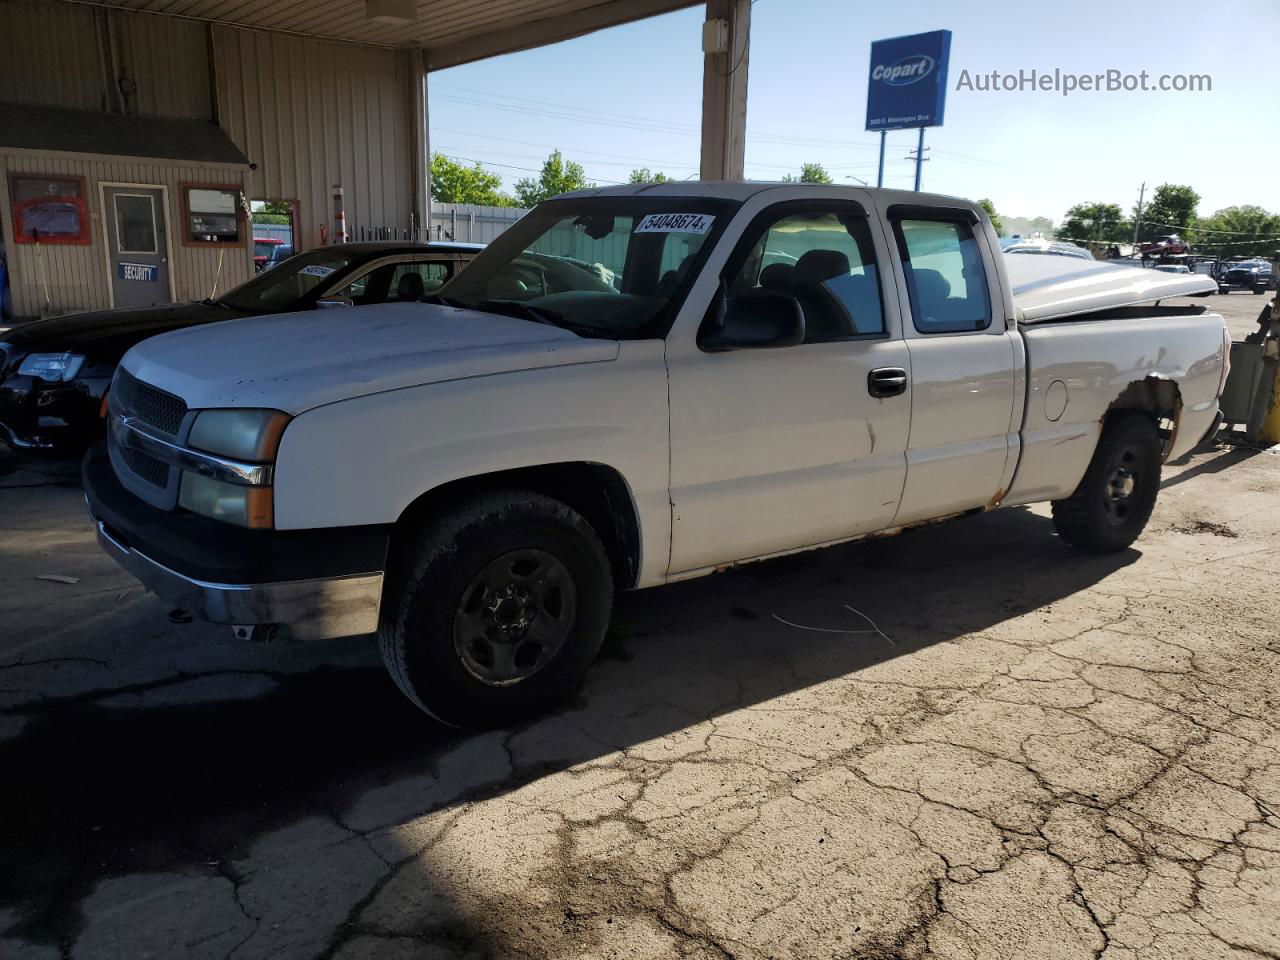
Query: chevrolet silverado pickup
629,387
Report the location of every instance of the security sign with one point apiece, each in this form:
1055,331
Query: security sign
137,271
907,86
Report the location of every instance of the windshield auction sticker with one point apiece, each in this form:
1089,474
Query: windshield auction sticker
675,223
315,270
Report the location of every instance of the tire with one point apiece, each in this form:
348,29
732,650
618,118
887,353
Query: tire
1098,516
496,610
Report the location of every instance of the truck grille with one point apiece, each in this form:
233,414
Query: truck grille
151,406
146,467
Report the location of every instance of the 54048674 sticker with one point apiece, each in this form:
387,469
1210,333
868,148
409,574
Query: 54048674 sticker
675,223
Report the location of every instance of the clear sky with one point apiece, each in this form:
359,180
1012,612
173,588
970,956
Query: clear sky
631,97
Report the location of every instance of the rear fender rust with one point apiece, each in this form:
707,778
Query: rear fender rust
1157,395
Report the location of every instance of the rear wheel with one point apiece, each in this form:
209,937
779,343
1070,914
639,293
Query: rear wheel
1113,503
496,611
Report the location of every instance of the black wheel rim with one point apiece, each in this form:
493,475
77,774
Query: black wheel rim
1118,501
514,617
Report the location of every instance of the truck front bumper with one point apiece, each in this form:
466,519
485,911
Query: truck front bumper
319,583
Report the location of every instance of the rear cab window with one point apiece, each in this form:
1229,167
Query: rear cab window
946,280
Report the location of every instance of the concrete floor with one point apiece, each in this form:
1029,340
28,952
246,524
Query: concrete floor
1034,752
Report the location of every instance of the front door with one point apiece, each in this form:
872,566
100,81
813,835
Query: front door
773,449
137,246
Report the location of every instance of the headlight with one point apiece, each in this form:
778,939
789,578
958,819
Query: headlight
53,367
243,506
252,435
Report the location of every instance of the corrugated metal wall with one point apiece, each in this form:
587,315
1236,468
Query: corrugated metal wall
169,61
76,277
312,114
308,113
50,54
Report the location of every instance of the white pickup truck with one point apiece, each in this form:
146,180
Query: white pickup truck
633,386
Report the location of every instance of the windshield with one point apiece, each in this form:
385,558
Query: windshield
615,267
284,286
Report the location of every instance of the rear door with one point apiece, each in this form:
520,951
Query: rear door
137,245
963,437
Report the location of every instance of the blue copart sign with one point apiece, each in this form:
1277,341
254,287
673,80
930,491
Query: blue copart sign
907,86
138,271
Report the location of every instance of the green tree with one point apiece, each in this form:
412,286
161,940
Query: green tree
1172,210
558,176
1100,222
279,208
645,175
453,182
990,207
1246,230
809,173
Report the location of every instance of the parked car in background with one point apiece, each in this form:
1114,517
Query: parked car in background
263,247
475,479
1060,248
1164,246
54,373
278,256
1254,275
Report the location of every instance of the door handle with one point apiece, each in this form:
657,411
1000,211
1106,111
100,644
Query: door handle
887,381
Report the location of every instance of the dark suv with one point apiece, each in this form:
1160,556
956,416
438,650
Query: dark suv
1255,275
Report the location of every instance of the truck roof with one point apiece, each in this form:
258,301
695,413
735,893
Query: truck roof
743,189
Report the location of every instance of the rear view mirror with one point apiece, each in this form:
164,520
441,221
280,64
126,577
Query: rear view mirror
757,320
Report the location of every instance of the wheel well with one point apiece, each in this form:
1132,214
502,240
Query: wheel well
1158,398
596,491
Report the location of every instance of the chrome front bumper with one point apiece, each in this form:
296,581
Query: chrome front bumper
312,609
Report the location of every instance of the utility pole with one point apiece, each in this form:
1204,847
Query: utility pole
1137,220
918,156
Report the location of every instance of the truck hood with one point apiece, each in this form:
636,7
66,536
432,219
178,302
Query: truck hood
294,362
1047,287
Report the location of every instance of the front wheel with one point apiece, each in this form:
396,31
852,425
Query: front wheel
496,610
1113,503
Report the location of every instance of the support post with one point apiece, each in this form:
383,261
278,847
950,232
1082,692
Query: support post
339,216
1137,217
420,144
919,158
724,94
880,173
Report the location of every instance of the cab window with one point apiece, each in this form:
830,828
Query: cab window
946,281
825,259
413,281
400,282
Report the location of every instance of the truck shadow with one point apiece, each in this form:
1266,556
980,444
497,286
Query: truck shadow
97,791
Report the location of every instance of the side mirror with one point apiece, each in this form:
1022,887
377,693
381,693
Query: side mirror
329,303
755,320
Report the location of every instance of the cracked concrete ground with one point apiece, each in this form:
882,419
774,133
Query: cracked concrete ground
1033,753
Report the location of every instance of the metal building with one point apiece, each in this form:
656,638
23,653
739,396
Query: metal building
136,135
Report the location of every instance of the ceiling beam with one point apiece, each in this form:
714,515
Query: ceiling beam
538,33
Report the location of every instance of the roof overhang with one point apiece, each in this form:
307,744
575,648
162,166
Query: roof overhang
52,129
451,32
